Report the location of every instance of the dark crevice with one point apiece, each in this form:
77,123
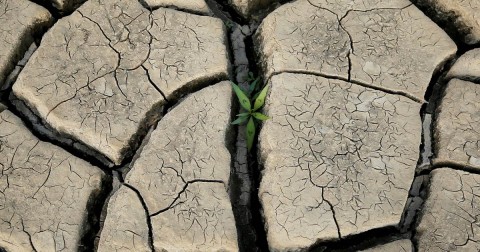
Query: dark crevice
147,214
93,213
362,241
253,56
437,84
419,200
425,192
243,179
125,169
240,189
455,166
257,209
426,150
414,204
227,11
173,7
254,166
435,94
114,186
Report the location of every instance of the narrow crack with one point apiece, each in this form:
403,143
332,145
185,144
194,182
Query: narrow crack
147,214
185,187
29,236
153,83
333,214
327,76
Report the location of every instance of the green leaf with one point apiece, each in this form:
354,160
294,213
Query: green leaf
242,98
253,85
250,133
250,76
240,120
260,116
243,114
260,100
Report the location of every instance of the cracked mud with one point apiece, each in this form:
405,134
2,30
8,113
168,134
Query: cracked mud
338,159
115,129
458,125
449,219
184,186
126,62
44,192
21,20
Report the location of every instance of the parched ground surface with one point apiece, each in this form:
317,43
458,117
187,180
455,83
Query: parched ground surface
125,63
116,134
339,159
46,193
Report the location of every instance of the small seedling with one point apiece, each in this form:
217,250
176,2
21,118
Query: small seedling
229,24
250,114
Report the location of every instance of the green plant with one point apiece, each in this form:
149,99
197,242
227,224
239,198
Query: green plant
250,113
229,24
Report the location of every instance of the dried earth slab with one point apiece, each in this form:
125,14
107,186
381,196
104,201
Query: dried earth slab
47,196
338,159
462,16
449,221
102,74
182,176
390,45
467,67
457,127
194,6
21,22
396,246
125,227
